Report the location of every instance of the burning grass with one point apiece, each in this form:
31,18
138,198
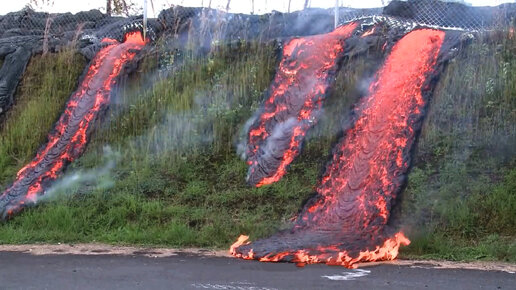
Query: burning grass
175,196
294,102
156,206
346,222
40,99
185,186
69,137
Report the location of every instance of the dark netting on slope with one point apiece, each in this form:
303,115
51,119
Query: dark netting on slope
435,13
27,32
95,24
30,22
62,28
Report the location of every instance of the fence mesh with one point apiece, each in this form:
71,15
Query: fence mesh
434,13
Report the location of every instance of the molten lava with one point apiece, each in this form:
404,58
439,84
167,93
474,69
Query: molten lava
70,135
296,96
346,222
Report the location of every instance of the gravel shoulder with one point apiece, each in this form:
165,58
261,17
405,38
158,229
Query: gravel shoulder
159,252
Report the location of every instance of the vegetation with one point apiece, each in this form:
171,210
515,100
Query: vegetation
462,188
40,100
179,181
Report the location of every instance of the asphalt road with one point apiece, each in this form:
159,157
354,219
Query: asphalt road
184,271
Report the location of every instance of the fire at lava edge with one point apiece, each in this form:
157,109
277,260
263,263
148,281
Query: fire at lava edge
69,138
346,222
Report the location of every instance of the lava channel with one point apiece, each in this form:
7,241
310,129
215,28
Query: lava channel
295,98
346,222
69,138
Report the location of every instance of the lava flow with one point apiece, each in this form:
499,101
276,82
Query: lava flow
70,135
296,96
346,222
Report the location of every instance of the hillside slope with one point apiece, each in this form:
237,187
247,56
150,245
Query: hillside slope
163,167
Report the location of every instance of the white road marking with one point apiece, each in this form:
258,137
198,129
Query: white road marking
347,276
236,286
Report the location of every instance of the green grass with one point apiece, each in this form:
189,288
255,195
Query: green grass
158,206
441,247
479,226
460,199
45,88
179,181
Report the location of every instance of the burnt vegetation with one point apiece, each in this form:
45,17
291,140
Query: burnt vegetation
178,180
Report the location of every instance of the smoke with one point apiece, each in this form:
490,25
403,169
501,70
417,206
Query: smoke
84,180
190,130
179,132
273,149
70,136
348,220
299,89
242,144
81,181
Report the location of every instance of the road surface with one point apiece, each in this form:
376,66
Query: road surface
190,271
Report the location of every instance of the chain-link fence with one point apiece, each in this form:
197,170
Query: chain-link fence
39,17
435,13
446,14
440,13
41,26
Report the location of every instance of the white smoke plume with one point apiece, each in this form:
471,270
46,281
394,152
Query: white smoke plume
84,181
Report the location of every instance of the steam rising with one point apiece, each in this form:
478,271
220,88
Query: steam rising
347,221
294,103
80,181
70,136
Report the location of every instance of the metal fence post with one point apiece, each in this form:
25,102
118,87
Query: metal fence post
144,19
336,13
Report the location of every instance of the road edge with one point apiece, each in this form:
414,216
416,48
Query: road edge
161,252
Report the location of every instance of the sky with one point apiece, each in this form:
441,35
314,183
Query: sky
237,6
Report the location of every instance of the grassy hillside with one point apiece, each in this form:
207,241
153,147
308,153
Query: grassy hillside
39,101
462,189
178,179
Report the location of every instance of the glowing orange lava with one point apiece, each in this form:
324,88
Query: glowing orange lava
346,222
330,255
369,32
296,96
70,135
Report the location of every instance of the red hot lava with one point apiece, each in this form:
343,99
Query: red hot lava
296,96
346,222
70,135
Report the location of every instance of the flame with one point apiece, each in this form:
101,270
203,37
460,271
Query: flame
348,217
297,93
70,135
242,240
369,32
388,251
135,37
